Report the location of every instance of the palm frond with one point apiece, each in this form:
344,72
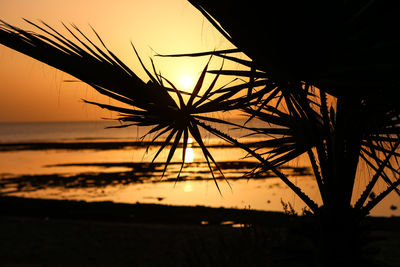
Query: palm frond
151,103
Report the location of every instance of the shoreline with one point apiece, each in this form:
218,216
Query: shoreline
136,213
159,213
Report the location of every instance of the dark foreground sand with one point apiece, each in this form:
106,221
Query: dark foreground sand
68,233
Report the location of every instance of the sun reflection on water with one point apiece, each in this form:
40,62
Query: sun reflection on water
187,187
189,154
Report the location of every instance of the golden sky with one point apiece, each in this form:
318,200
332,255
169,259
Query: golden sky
32,91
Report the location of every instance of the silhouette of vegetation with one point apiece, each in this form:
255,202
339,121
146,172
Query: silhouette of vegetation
322,75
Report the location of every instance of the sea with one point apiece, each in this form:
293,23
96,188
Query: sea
89,161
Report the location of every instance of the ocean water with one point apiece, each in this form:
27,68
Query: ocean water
87,130
99,164
63,131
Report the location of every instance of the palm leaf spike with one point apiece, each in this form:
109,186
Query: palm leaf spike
378,148
210,119
241,73
201,54
264,102
243,62
227,101
236,88
197,136
207,93
64,41
172,150
178,93
379,163
375,178
198,85
120,126
65,44
115,108
165,143
317,174
161,131
372,203
112,60
92,52
184,146
155,129
116,59
113,95
158,76
152,78
218,53
372,166
369,149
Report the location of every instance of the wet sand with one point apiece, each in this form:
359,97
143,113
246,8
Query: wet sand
65,233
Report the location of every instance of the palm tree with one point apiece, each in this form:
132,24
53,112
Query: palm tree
349,51
322,76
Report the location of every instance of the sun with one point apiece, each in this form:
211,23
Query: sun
186,82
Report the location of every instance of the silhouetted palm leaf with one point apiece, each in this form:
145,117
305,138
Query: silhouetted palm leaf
107,74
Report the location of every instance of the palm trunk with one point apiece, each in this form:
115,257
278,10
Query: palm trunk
346,149
339,239
338,233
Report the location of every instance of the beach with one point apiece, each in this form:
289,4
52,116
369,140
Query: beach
72,233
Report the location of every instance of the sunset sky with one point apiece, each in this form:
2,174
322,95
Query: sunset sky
32,91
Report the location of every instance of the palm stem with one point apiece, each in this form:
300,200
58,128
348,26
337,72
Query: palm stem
317,174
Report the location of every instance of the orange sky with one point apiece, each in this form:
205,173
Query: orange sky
32,91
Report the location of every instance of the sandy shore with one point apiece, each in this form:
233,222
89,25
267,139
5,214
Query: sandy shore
70,233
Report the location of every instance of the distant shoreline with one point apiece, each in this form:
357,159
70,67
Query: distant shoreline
66,121
99,144
84,144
